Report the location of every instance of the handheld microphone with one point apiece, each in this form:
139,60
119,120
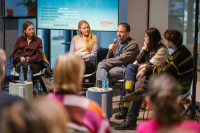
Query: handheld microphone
115,40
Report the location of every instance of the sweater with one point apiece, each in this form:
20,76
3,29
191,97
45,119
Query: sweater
85,114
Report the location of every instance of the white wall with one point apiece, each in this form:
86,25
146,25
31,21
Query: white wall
158,16
137,18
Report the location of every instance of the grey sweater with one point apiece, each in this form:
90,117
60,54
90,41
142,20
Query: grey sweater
127,55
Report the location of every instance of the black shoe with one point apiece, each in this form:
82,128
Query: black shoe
125,125
136,95
122,114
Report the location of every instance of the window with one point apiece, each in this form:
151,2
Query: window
181,16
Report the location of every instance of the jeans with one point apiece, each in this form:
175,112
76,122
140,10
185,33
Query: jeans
130,74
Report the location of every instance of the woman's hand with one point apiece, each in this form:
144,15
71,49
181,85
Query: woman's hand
22,59
83,58
142,66
146,46
141,73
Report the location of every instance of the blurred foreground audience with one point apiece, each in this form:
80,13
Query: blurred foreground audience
163,96
85,114
38,116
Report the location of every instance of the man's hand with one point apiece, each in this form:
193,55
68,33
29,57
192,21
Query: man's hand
141,73
111,47
142,66
23,59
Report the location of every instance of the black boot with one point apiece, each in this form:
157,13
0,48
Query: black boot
122,114
125,125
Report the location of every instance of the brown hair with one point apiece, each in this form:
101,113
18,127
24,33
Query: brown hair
68,72
91,39
38,116
154,39
174,36
163,92
24,27
127,26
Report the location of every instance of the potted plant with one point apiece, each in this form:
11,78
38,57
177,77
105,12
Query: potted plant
31,6
9,12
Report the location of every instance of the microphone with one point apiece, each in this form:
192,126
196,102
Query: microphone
115,40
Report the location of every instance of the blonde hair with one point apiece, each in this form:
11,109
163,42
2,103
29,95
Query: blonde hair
2,59
68,72
91,39
24,27
36,116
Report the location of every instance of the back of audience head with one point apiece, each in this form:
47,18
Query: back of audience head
68,73
163,95
154,38
2,64
174,36
38,116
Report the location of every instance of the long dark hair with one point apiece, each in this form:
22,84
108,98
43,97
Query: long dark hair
154,39
164,90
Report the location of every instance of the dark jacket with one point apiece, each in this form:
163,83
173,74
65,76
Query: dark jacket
33,50
179,65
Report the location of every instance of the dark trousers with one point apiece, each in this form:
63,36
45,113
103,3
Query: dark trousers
35,68
89,67
133,111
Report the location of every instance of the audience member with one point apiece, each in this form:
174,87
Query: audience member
28,50
86,115
153,52
179,64
119,56
163,95
85,45
5,99
38,116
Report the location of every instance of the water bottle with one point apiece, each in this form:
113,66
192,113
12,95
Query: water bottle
21,75
105,81
29,73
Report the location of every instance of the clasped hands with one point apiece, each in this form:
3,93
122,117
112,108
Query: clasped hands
24,59
141,71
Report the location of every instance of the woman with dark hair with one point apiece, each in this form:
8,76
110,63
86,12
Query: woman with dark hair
153,52
85,45
28,50
163,95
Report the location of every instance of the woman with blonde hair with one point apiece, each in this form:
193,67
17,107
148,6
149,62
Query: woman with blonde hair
85,45
86,115
163,95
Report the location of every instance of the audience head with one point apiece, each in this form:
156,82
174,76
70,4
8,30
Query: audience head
163,95
123,31
2,64
68,73
154,38
28,30
38,116
173,37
